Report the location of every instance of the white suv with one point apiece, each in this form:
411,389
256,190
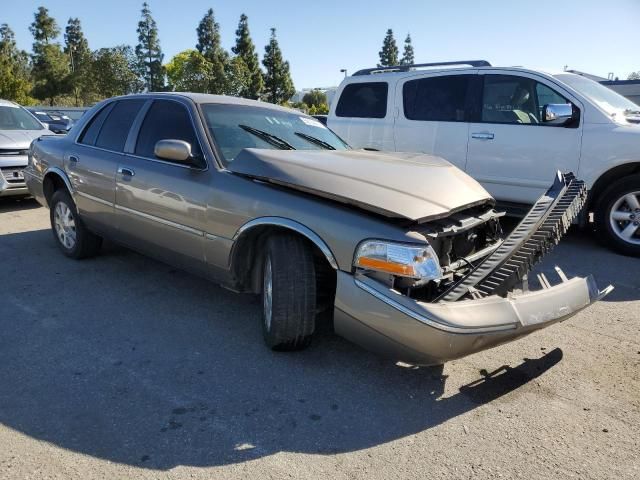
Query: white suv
509,128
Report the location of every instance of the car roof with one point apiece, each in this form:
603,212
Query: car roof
7,103
452,69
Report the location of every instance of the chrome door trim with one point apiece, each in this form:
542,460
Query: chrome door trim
291,225
162,221
95,199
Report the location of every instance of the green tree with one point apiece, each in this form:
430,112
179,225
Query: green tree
634,76
80,58
389,52
245,51
210,47
407,55
278,86
315,98
189,71
238,78
113,72
149,52
50,66
15,83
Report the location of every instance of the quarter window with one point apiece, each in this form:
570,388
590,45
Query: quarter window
166,120
90,133
115,129
441,99
363,100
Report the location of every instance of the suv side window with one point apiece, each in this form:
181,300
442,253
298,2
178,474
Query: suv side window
115,129
441,99
90,133
363,100
517,100
166,120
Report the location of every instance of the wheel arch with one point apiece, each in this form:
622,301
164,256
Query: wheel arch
606,178
246,251
53,180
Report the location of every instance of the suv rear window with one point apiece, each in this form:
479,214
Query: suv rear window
438,99
363,100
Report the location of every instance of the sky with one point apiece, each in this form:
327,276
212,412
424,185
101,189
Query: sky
321,38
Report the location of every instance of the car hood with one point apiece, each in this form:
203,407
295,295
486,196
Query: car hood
19,139
413,186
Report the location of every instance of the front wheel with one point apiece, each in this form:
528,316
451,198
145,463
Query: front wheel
288,293
617,216
73,238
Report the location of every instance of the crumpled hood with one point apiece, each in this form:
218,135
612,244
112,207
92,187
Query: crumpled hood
414,186
20,139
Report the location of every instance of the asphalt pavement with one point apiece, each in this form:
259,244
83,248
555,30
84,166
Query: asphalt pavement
123,367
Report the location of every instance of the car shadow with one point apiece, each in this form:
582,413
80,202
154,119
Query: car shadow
16,204
129,360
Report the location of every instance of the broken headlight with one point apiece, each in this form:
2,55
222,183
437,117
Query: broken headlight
418,262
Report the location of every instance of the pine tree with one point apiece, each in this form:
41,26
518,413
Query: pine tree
149,52
389,52
210,47
278,86
50,66
77,49
14,68
245,51
407,55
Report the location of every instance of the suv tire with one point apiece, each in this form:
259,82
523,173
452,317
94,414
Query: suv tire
288,293
617,216
72,237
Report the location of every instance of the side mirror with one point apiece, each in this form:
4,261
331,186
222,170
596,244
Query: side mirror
557,113
174,150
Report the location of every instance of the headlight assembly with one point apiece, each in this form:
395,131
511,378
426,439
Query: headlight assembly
413,261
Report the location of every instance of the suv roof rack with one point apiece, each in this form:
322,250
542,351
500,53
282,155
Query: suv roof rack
406,68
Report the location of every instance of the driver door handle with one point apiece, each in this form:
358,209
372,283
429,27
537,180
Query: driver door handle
483,135
125,171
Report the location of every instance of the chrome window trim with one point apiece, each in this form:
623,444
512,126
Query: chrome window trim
291,225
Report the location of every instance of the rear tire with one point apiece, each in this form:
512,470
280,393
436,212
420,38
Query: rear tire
70,233
617,216
288,293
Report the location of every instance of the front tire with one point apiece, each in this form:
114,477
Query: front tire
288,293
70,233
617,216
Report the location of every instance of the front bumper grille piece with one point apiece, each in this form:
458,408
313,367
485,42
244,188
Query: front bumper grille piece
538,232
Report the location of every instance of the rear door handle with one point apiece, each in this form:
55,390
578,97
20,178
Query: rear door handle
73,159
483,135
125,171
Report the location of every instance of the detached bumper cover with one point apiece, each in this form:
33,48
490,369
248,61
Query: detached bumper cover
369,313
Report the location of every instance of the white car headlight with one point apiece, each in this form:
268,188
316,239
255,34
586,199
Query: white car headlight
419,262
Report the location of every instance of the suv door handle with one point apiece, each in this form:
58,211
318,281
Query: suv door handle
125,171
483,136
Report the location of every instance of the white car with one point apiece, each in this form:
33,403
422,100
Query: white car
509,128
18,128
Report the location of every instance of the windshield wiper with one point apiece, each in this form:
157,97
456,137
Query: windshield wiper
268,137
317,141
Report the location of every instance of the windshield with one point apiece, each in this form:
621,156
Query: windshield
17,118
236,127
610,101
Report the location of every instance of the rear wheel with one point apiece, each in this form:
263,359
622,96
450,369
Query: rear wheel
288,293
617,216
73,238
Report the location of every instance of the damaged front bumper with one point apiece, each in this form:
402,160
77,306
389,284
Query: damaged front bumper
374,316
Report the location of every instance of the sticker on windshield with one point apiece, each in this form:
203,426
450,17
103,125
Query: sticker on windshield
312,122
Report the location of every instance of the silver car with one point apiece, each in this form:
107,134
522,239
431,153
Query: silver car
18,128
404,250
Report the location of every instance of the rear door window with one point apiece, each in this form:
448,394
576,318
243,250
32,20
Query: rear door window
438,99
115,129
90,133
363,100
166,120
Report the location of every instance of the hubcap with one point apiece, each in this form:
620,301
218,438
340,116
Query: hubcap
267,295
65,225
624,218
